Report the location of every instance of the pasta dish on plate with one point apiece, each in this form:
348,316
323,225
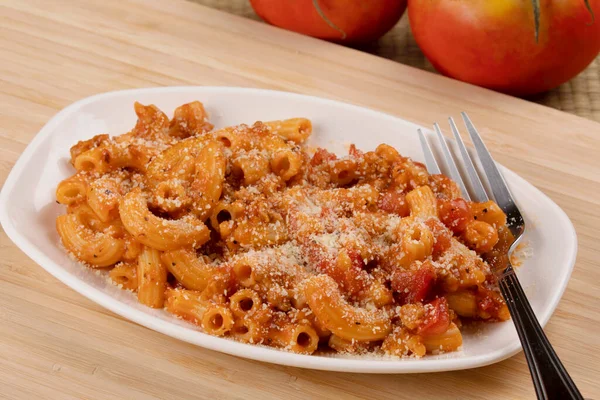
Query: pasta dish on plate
248,233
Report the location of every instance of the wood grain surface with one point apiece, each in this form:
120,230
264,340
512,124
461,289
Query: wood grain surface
55,344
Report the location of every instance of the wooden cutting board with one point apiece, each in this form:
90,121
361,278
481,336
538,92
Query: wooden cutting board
56,344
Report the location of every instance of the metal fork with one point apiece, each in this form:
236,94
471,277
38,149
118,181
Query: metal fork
550,378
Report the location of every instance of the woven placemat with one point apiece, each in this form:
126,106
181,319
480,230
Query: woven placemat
580,96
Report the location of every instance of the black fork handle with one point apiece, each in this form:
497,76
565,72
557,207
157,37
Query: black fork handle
550,378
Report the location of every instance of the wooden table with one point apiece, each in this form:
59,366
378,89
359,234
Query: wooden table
56,344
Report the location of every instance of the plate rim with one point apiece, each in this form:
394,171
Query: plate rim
231,347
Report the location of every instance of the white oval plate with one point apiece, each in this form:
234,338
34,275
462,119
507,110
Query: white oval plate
28,212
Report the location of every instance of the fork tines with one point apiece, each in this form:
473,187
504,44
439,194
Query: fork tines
477,192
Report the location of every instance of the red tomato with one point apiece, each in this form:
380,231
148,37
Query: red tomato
322,156
437,319
442,237
347,21
455,214
490,304
394,202
444,187
413,286
355,277
492,43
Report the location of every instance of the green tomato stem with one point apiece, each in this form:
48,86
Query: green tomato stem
589,7
537,12
327,20
536,18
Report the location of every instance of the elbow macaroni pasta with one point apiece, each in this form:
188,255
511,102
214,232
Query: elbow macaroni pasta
246,234
156,232
152,278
